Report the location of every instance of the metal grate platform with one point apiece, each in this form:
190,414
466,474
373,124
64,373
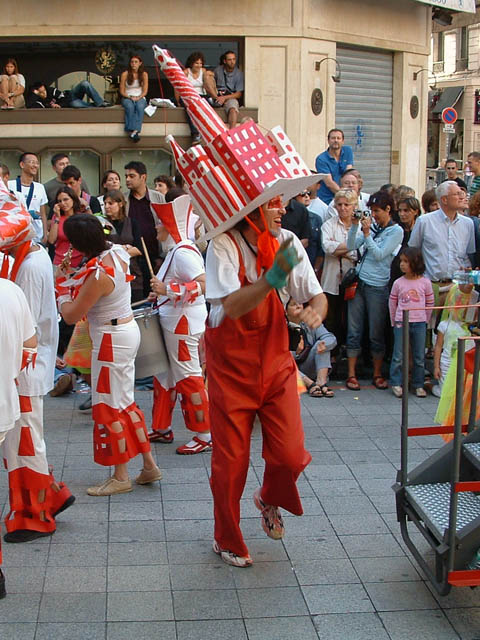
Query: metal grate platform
432,503
472,452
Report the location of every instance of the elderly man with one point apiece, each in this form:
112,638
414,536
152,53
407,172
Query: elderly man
350,181
334,162
446,237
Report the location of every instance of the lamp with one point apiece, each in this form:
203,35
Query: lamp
442,17
416,74
338,72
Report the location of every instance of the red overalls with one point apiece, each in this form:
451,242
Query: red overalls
251,371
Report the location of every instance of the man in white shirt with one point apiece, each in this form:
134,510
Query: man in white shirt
17,334
251,371
446,237
33,193
349,180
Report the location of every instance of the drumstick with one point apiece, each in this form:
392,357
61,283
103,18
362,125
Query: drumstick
147,257
137,304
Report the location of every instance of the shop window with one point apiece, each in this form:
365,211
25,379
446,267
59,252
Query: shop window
87,161
157,161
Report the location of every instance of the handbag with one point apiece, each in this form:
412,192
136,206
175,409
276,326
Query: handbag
349,278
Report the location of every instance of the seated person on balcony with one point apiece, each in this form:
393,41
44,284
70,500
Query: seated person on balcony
12,86
72,178
42,97
203,82
228,89
133,89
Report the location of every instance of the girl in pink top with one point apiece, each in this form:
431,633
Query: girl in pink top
67,204
413,292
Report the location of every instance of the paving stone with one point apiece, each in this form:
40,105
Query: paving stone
371,546
272,603
466,622
72,607
184,510
75,580
205,605
333,488
314,548
187,492
24,580
136,511
139,606
385,569
211,630
203,576
350,626
137,553
65,631
325,571
410,625
130,531
360,523
19,607
281,628
347,505
33,554
304,526
143,578
266,574
78,555
198,552
457,598
400,596
328,472
76,531
184,530
17,630
141,630
337,598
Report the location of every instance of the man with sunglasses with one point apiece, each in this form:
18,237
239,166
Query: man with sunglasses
296,219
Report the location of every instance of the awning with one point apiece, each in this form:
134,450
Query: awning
449,98
468,6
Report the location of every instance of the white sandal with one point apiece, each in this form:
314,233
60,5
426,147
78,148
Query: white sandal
231,558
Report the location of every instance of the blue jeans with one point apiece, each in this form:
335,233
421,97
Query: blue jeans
133,113
85,89
417,332
316,361
371,304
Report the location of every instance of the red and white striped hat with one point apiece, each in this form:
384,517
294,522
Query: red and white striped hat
15,221
175,216
236,170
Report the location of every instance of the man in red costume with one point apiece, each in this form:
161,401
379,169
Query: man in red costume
251,272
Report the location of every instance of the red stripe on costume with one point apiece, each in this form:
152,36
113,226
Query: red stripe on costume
25,404
25,446
183,352
182,326
103,384
26,512
105,353
129,277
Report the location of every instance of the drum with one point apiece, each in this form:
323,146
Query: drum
151,356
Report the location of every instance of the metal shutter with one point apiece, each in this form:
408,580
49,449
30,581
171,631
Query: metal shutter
364,111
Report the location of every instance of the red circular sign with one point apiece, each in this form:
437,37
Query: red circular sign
449,115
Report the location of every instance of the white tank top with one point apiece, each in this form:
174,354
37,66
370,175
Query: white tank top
117,304
197,82
133,89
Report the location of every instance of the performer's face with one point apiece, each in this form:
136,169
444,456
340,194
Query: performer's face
274,211
162,233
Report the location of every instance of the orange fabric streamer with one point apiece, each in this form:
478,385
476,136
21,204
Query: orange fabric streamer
267,245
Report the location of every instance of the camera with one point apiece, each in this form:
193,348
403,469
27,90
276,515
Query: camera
359,215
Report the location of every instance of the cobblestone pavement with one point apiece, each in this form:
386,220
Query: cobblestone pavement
140,565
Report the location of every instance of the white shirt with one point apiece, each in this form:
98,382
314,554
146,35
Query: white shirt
182,265
445,244
16,326
223,266
335,233
318,207
39,198
35,280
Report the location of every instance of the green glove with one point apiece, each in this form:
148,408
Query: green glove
285,260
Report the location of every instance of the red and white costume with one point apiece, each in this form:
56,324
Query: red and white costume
182,313
16,326
113,363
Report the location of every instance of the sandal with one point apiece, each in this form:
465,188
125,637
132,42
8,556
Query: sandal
326,391
379,382
352,384
314,390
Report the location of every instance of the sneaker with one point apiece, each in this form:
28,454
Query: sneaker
272,521
86,404
436,391
136,137
65,383
148,476
420,392
110,487
196,445
163,438
231,558
397,391
106,104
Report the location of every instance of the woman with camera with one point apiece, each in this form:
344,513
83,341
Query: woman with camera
338,260
381,238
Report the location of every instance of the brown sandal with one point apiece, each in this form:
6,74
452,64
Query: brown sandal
379,382
352,384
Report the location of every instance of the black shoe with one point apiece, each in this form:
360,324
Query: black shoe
3,591
136,138
68,503
25,535
86,404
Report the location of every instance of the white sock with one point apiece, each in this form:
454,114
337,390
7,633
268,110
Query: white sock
204,437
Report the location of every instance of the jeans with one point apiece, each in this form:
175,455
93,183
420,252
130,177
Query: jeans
133,113
316,361
417,332
369,303
85,89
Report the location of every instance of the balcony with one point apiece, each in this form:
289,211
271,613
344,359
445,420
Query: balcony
438,66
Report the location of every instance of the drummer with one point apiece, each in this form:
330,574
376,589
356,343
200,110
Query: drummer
101,291
179,286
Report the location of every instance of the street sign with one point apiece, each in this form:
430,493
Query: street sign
449,128
449,115
456,5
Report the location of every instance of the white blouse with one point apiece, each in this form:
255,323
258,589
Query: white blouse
334,233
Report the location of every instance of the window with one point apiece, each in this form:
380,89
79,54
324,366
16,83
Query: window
440,57
87,161
157,161
462,49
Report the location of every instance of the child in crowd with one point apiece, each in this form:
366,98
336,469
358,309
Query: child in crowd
412,291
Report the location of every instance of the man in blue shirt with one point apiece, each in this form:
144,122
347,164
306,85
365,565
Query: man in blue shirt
334,161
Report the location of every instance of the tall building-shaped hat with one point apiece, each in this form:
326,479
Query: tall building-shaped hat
175,216
236,170
15,221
